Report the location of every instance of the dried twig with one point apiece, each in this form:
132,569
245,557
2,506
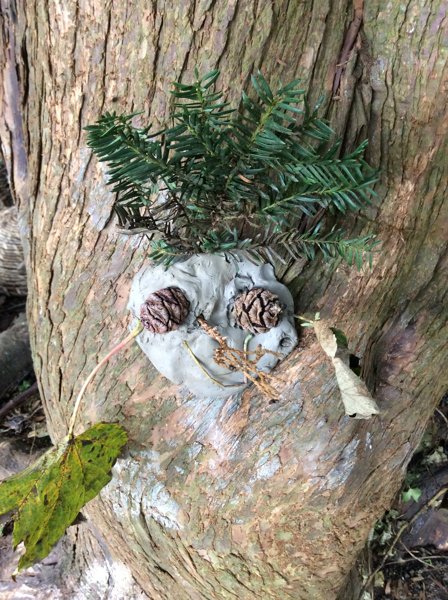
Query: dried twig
234,359
417,558
17,400
407,560
440,413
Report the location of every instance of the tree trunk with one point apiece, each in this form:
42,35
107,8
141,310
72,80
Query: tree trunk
239,498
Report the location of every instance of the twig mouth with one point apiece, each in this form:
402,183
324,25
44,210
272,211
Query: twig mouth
239,360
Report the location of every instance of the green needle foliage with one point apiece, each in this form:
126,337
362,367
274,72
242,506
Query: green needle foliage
258,181
47,496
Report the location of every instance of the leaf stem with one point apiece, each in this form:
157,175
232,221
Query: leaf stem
102,362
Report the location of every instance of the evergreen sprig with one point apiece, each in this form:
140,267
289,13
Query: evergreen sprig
258,181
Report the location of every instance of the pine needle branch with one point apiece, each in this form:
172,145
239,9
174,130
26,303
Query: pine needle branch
260,180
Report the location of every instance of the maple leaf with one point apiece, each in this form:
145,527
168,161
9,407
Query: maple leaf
48,495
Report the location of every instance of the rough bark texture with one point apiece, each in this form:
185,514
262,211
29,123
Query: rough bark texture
12,266
236,498
5,196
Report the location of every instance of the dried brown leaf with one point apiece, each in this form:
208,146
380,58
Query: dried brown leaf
326,338
358,402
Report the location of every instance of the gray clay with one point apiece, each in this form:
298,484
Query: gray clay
210,283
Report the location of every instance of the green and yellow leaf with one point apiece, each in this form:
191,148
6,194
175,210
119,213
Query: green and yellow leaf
48,495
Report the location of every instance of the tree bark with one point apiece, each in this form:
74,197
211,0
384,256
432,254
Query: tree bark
12,267
236,498
5,196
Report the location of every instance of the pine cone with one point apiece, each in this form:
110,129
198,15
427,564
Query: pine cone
257,310
164,310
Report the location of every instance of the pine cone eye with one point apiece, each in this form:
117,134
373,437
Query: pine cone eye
257,310
164,310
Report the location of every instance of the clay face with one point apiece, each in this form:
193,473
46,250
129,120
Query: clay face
211,284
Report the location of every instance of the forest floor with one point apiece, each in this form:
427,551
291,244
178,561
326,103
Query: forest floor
406,557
